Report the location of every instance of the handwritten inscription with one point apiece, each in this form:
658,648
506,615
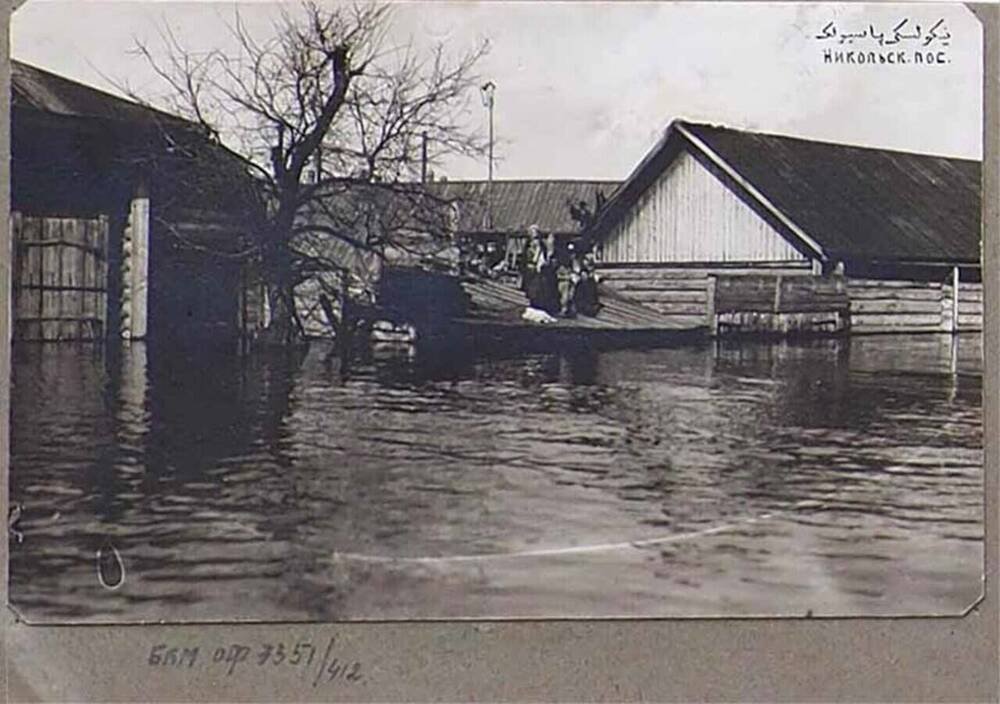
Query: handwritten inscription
903,31
906,43
302,657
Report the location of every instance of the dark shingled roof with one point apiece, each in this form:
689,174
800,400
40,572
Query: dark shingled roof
854,202
35,88
519,204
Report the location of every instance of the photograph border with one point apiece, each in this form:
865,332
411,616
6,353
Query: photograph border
932,658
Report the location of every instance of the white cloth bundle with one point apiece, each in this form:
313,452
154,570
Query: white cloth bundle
533,315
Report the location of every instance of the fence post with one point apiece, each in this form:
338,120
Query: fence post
16,252
140,265
711,318
954,299
135,268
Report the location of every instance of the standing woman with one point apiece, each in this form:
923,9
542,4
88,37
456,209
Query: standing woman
585,296
534,260
549,275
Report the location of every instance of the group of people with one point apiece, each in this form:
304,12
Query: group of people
558,280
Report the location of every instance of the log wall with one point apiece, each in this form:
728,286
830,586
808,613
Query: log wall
787,299
909,306
780,304
970,306
682,295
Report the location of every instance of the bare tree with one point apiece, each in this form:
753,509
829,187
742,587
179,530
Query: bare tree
332,123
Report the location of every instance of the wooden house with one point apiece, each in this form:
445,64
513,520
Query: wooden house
737,230
126,221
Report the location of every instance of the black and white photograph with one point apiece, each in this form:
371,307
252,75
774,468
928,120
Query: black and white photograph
344,311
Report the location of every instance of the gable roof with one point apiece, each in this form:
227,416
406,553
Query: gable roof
80,149
38,89
832,200
518,204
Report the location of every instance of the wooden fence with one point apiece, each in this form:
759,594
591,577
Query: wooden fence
782,302
905,306
60,277
778,304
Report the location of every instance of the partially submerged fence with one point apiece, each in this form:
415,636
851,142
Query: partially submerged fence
784,302
60,277
778,304
906,306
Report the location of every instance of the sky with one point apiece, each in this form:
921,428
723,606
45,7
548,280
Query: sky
584,90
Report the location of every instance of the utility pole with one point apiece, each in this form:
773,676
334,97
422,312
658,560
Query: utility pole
423,158
488,90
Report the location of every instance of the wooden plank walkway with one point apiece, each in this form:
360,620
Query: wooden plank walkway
495,302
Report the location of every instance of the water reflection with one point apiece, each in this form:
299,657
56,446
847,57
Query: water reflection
846,477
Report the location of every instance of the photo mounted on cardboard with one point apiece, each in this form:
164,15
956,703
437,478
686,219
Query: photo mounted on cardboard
327,312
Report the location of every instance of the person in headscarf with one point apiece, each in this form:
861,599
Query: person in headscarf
539,281
585,294
549,275
569,277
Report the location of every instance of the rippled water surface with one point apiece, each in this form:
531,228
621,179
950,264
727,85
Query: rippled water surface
840,477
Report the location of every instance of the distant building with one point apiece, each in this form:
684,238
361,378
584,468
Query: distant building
509,207
882,235
126,220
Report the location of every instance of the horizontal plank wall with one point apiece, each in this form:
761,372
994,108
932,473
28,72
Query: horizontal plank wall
681,295
911,306
780,297
970,306
60,277
780,304
788,299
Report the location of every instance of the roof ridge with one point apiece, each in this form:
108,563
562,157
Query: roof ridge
813,140
532,180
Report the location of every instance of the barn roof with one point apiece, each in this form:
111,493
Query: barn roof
76,147
519,204
36,88
839,201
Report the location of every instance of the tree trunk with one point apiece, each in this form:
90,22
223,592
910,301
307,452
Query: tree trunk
284,327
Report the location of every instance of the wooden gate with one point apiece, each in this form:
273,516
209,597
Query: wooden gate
60,277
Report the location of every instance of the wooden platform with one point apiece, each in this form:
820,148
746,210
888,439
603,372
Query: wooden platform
495,302
479,315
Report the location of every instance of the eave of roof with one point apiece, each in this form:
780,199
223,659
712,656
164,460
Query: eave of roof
38,89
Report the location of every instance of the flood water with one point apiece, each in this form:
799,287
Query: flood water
837,477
